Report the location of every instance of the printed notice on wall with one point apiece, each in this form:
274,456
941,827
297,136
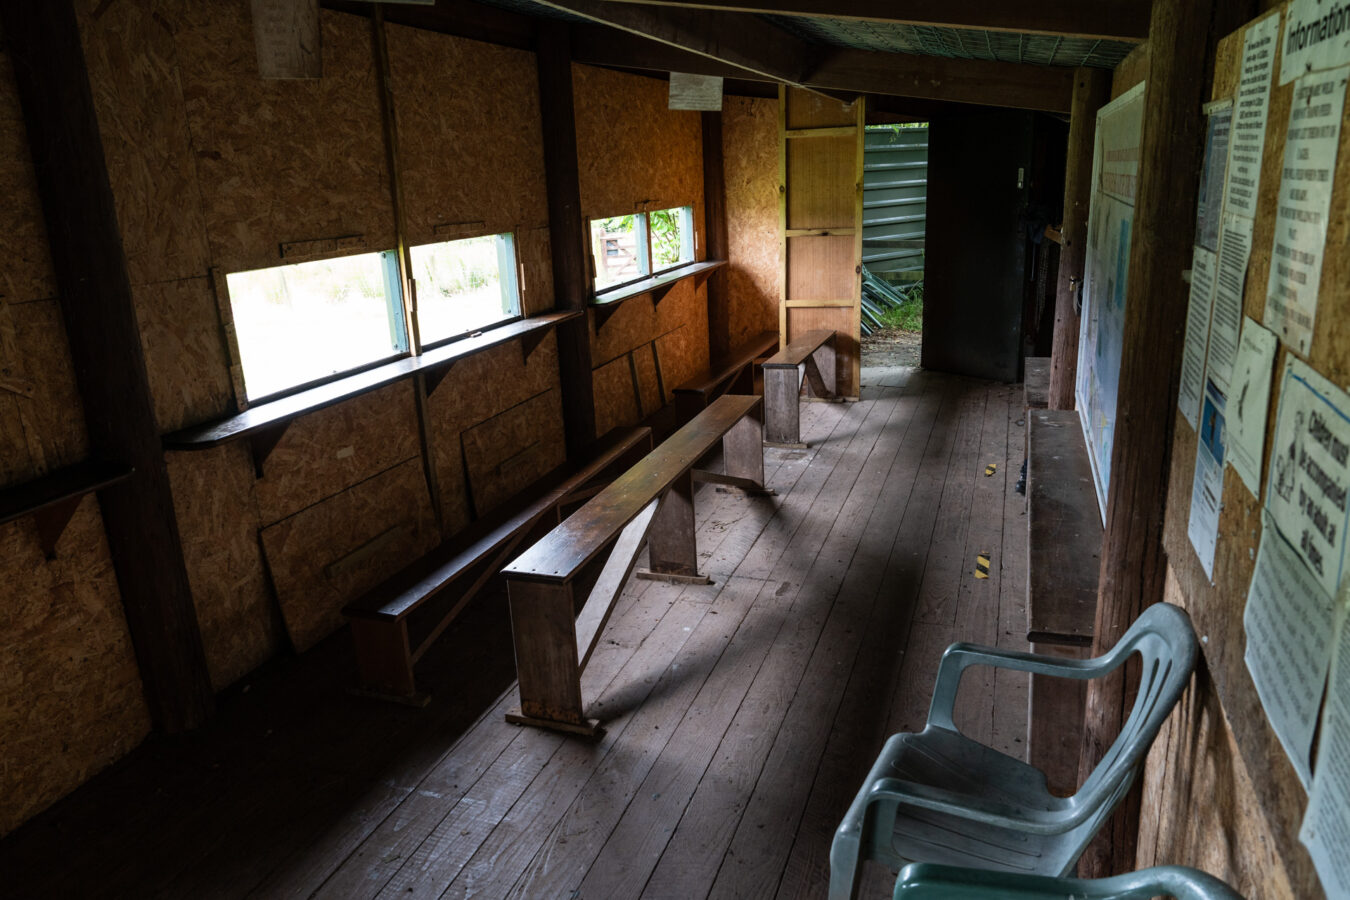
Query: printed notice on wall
1249,118
1326,824
1209,206
1288,622
1305,200
1197,335
700,92
1235,250
1316,36
1310,470
1207,487
1249,403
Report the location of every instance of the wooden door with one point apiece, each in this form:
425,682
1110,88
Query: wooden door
820,166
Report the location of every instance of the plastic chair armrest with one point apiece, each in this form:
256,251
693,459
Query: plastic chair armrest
999,815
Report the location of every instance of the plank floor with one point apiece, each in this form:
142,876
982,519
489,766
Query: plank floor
740,716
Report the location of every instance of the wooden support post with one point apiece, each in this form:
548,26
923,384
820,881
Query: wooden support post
544,632
671,546
1091,90
43,40
384,662
782,384
716,236
567,232
823,367
743,447
1183,34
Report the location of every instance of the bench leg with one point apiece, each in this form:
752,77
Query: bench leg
825,384
782,414
384,664
672,550
544,633
743,446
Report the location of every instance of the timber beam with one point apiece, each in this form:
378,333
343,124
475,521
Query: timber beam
1117,20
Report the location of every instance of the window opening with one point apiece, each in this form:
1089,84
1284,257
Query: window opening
464,285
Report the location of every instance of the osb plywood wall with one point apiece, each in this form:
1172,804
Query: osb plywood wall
636,155
755,257
1221,756
70,691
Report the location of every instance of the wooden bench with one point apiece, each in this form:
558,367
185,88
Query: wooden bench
1036,382
1064,562
385,655
813,351
734,373
651,502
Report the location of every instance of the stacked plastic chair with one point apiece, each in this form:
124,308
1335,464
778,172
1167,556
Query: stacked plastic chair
924,881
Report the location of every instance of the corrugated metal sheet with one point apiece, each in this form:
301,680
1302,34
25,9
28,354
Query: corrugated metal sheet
895,201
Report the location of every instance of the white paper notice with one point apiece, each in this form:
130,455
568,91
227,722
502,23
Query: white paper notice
1326,824
1197,334
1249,122
1209,205
1316,36
1288,621
703,92
1250,401
1235,250
1310,471
1305,199
1207,486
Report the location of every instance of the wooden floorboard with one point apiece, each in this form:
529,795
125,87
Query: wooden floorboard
739,716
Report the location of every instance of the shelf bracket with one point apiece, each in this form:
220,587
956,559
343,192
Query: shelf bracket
263,442
52,521
434,377
530,341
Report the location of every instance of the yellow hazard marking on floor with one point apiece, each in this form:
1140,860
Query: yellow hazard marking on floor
982,565
990,469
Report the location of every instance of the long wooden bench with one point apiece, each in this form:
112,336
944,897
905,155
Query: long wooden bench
813,351
733,373
1064,561
653,502
385,653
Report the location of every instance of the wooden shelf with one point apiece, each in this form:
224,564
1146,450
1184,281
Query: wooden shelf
53,498
607,303
264,424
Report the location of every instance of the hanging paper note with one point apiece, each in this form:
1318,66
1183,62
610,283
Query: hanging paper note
1249,121
1207,486
1288,621
1235,251
1316,36
1326,824
1310,470
1249,403
1209,204
1305,201
1199,306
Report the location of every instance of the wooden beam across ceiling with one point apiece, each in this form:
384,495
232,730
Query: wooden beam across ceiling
1117,20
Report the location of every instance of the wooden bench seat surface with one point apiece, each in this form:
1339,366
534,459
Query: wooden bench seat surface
561,554
1064,530
721,369
407,589
795,353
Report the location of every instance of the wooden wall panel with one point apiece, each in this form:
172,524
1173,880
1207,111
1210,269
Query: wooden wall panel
755,263
631,325
218,520
513,449
822,173
535,275
820,268
615,395
333,449
468,135
25,266
133,69
634,153
681,355
1259,773
330,553
185,355
808,109
282,160
1132,70
45,421
70,691
648,383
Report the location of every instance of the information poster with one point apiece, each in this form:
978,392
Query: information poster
1235,250
1209,206
1326,824
1316,36
1305,200
1207,483
1310,470
1249,119
1288,622
1198,309
1250,403
1115,170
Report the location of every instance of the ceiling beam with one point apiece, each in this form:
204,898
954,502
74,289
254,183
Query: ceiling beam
1117,20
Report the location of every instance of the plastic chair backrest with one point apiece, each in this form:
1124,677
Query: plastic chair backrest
922,881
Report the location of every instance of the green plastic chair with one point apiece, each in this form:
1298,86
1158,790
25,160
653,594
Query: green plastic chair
940,797
925,881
